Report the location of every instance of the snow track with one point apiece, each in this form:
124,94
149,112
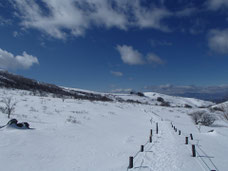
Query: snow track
206,159
166,152
202,158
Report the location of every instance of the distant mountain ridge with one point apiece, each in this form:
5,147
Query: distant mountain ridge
13,81
212,93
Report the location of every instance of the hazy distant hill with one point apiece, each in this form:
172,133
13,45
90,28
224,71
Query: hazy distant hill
13,81
211,93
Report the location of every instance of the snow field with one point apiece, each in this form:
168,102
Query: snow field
100,136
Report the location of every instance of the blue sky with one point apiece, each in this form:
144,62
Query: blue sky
108,45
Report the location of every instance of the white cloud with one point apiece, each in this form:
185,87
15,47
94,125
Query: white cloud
9,61
132,56
59,17
154,59
129,55
116,73
218,41
120,90
151,18
4,21
15,34
216,4
186,12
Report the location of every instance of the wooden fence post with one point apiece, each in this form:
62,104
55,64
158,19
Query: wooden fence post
150,139
156,128
186,140
193,151
131,162
142,148
191,136
151,132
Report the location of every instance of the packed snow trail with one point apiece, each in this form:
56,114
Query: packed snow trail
202,157
166,152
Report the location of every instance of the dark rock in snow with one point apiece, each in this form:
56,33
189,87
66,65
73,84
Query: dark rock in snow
13,123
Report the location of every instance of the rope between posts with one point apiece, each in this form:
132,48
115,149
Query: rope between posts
145,146
207,166
207,156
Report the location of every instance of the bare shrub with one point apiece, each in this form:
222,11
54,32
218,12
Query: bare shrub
32,109
187,106
2,109
220,109
207,119
166,104
196,116
137,93
163,102
203,118
225,114
10,105
43,93
73,119
160,99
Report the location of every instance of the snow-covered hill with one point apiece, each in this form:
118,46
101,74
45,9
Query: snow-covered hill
179,101
13,81
221,106
151,98
82,135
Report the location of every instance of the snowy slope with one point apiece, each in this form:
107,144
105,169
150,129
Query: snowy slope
151,98
179,101
222,106
84,135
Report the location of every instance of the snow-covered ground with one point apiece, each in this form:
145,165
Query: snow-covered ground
85,135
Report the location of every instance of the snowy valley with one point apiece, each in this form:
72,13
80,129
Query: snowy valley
94,135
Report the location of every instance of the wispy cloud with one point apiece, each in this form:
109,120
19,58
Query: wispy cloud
9,61
198,26
218,41
16,34
120,90
4,21
154,59
129,55
58,18
216,4
186,12
116,73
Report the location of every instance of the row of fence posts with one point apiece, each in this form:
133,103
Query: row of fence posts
186,140
131,158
